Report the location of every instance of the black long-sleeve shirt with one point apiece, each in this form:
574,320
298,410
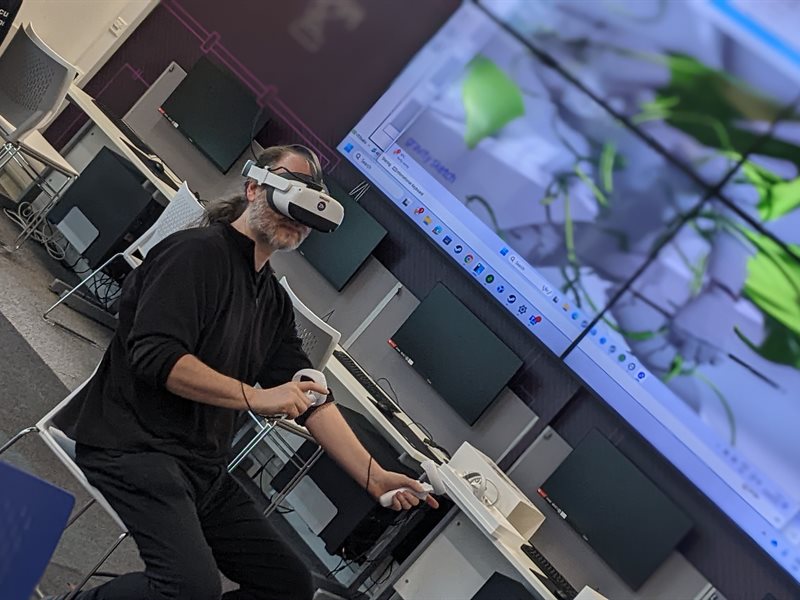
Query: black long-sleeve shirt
198,293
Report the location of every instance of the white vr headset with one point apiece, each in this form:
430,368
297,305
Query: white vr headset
303,201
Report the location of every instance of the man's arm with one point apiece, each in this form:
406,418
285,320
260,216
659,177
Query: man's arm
178,287
329,428
333,433
192,379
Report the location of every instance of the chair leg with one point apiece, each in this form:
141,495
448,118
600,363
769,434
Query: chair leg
18,437
63,298
280,497
250,445
79,514
7,153
97,566
30,224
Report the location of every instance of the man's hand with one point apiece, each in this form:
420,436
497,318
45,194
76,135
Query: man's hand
288,399
382,481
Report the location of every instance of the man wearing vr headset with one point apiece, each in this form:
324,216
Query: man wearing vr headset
201,321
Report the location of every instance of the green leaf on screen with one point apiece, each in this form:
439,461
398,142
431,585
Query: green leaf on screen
491,100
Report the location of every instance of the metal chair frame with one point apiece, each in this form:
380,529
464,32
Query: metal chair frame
183,210
319,355
46,79
64,450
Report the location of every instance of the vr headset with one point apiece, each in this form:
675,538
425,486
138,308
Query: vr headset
301,200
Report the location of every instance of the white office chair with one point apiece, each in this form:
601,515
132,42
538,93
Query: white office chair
34,81
64,449
182,212
318,341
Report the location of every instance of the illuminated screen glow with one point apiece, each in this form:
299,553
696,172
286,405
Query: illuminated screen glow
623,178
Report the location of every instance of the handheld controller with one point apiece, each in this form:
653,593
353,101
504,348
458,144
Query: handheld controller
435,485
317,377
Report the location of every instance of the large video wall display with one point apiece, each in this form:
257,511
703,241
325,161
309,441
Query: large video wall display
622,176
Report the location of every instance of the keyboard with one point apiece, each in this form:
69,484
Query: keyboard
129,133
552,579
385,404
381,398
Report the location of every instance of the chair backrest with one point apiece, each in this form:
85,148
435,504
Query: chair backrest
319,339
33,514
34,81
182,212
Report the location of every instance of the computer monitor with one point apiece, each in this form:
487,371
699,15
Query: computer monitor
338,255
215,112
602,170
107,202
620,513
456,353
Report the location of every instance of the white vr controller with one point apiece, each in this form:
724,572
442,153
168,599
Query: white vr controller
302,201
434,485
317,377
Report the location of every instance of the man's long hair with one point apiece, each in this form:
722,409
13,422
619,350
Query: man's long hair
227,210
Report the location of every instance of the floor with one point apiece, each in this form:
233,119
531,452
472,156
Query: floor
24,295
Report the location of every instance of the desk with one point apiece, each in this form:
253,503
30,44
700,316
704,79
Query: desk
460,560
316,509
367,407
476,541
123,145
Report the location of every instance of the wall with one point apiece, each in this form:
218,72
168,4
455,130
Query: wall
716,547
80,30
345,53
271,45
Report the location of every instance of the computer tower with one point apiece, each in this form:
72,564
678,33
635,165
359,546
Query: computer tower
499,586
105,208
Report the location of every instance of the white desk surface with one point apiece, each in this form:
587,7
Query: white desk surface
35,145
509,546
377,418
86,103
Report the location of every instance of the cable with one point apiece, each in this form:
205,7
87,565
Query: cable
382,578
399,523
44,233
394,394
423,428
358,191
335,570
246,401
75,264
369,470
253,130
429,441
328,315
106,574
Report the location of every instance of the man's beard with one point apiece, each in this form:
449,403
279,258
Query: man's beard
272,228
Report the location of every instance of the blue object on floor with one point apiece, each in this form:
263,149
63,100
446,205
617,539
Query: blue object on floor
33,514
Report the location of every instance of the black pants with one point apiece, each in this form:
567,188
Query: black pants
190,522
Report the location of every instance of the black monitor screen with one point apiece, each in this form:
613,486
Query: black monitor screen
215,112
338,255
628,521
110,195
456,353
